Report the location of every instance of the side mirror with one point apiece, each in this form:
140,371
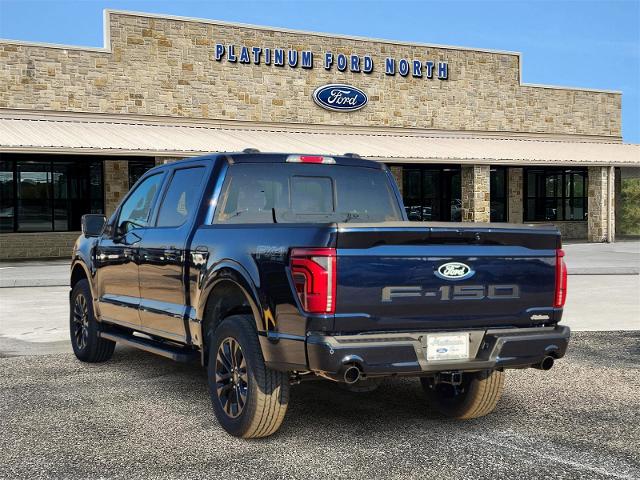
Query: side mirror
93,224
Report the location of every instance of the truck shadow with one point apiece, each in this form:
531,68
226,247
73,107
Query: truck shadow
397,401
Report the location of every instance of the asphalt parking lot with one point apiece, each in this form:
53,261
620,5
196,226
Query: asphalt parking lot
141,416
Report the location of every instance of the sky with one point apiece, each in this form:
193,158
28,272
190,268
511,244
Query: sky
577,43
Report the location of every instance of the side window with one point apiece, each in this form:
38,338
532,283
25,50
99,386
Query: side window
135,210
251,192
181,199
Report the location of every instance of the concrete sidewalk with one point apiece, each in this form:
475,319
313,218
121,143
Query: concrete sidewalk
620,258
37,273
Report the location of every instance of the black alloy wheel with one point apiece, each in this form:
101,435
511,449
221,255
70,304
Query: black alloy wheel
231,379
80,328
84,330
249,399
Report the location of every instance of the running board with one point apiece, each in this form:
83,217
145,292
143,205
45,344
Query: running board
152,346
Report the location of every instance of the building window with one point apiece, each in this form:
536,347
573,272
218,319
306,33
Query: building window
432,193
555,194
137,168
42,193
498,194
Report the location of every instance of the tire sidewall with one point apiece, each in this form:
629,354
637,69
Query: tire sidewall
456,407
82,288
235,328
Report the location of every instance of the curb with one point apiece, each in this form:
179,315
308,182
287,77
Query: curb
604,271
25,283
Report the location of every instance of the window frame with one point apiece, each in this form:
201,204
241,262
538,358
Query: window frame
540,201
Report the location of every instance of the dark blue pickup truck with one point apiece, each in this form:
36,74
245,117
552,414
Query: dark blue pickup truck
272,269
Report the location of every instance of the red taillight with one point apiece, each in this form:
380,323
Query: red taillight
314,275
561,280
310,159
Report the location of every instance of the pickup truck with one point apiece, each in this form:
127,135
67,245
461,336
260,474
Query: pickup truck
272,269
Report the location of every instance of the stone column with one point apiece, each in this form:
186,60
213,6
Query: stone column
163,160
116,183
601,218
475,193
396,171
515,187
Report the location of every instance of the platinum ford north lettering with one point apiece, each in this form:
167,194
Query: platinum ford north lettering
273,269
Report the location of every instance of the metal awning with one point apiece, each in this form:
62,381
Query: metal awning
93,135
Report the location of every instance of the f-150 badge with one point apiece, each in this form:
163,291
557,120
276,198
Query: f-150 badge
454,271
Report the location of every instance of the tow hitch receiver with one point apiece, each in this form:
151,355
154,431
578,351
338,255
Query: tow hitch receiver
452,378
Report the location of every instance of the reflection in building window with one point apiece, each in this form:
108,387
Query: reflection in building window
498,194
432,193
555,194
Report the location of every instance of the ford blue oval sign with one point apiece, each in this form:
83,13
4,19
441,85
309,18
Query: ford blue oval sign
340,98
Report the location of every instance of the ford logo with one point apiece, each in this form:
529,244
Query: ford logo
454,271
442,350
340,98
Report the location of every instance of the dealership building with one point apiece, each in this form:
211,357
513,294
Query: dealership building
464,136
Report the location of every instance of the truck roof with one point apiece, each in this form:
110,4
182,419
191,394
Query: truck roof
351,160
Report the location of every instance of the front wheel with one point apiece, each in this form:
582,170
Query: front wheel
83,327
476,396
249,399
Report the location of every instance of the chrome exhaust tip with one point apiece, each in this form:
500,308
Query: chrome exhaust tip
351,375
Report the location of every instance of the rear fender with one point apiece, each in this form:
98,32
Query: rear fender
233,272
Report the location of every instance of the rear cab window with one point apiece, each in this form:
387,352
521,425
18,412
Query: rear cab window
306,193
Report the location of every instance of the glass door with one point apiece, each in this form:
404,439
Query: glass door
432,193
34,197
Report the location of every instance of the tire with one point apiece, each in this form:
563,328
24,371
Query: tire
477,395
362,386
260,394
83,327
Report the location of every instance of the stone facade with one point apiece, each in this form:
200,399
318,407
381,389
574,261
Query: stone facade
515,205
397,175
161,66
17,246
572,230
167,67
600,215
116,183
475,193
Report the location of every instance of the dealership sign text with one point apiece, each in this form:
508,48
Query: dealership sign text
291,58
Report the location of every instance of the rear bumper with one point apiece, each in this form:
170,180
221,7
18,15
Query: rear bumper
404,353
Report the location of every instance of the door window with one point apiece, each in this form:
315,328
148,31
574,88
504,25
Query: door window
181,199
136,209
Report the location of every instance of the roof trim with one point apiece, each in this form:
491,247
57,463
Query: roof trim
164,120
65,135
106,48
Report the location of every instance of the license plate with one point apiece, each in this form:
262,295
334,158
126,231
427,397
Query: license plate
447,346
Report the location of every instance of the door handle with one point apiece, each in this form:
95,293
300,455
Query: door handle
171,253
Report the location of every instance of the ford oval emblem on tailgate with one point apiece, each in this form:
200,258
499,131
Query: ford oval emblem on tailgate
340,98
454,271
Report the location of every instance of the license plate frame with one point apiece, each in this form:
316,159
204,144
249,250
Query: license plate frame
447,346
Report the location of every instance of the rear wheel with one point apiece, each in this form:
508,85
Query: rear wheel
249,399
83,327
476,396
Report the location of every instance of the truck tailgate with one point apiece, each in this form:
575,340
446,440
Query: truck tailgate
418,276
